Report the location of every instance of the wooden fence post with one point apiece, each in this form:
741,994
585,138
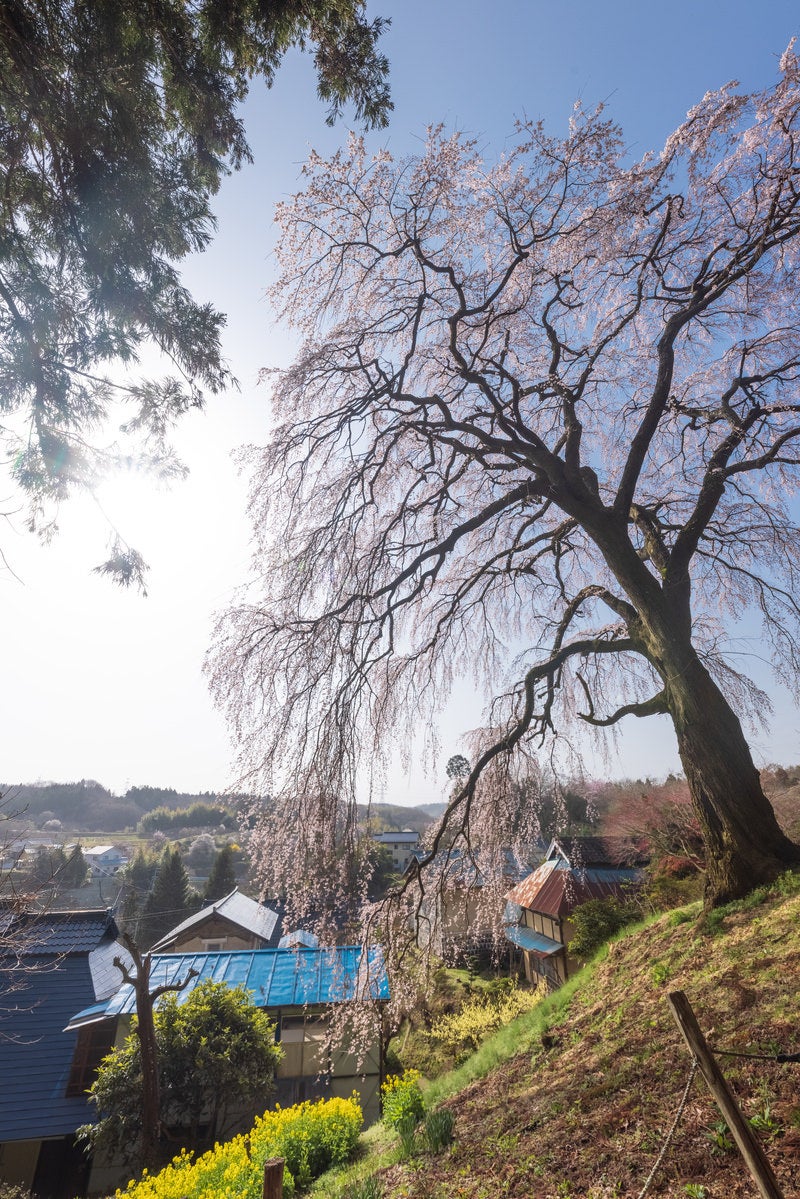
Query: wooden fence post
749,1144
273,1178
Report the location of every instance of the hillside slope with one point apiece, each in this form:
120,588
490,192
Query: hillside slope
586,1113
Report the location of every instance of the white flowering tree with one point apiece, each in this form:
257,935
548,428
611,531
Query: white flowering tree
544,428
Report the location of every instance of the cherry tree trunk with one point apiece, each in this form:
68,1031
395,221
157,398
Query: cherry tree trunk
745,845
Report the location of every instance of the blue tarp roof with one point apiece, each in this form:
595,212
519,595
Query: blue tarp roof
276,978
526,938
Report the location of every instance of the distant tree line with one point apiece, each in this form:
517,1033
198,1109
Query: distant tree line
199,815
87,804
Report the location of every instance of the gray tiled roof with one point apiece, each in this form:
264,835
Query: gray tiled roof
37,933
238,909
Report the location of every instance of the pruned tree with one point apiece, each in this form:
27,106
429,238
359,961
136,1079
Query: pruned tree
117,124
142,1054
544,427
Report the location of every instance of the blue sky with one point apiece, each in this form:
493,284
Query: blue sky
104,684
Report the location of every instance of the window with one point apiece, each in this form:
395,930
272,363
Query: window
95,1041
215,946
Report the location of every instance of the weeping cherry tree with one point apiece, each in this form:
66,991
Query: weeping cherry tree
543,431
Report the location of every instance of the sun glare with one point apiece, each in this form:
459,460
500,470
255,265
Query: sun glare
132,502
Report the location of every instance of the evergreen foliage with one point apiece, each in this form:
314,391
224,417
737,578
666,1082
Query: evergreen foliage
118,121
597,920
59,868
138,879
170,900
222,879
171,820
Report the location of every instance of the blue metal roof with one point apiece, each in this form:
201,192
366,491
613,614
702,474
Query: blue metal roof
536,943
276,978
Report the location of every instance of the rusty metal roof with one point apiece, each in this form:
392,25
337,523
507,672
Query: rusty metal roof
556,888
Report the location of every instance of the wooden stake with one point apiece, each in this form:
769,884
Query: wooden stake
273,1178
749,1144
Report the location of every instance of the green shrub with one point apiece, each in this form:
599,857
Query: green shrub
462,1032
597,920
402,1097
439,1129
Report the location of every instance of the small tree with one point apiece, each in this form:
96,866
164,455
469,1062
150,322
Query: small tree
46,865
222,879
137,880
216,1059
74,870
202,852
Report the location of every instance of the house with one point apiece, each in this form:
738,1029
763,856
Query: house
298,988
61,962
458,916
537,919
234,922
401,846
104,860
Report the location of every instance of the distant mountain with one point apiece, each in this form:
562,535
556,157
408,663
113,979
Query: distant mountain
434,810
88,805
